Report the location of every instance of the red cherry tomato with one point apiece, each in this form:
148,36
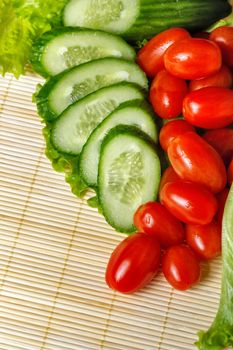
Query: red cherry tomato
193,58
166,95
222,78
150,57
193,159
189,202
181,267
230,173
210,107
205,240
171,130
169,175
222,141
133,263
153,218
223,36
221,198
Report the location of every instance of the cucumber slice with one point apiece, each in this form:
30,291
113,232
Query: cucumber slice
137,113
111,15
72,129
69,47
129,175
74,84
142,19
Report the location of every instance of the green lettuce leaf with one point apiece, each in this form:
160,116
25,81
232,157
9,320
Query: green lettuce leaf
93,202
220,334
64,163
22,22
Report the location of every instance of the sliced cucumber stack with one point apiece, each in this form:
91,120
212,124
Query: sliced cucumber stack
82,107
137,113
71,130
72,85
129,175
65,48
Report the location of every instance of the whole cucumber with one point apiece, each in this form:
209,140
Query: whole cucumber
142,19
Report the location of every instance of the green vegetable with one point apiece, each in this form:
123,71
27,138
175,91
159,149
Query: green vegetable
220,334
93,202
128,175
142,19
72,85
70,47
72,128
68,163
64,163
21,22
136,113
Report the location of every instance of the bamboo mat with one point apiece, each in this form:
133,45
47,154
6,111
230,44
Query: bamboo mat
53,254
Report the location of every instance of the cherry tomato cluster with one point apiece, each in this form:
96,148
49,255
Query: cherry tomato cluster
191,90
191,76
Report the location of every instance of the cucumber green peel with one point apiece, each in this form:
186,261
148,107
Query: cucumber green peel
73,127
128,176
65,88
68,163
220,334
23,21
142,19
137,113
70,47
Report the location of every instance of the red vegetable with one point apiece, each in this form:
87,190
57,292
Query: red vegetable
223,36
153,218
222,78
150,57
133,263
230,173
171,130
181,267
222,141
205,240
221,198
210,107
189,202
166,95
193,159
169,175
193,58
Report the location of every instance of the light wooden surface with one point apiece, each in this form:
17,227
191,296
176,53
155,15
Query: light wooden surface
53,254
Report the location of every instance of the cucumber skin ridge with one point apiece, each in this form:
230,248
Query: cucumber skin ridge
162,14
146,29
38,46
41,97
135,132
